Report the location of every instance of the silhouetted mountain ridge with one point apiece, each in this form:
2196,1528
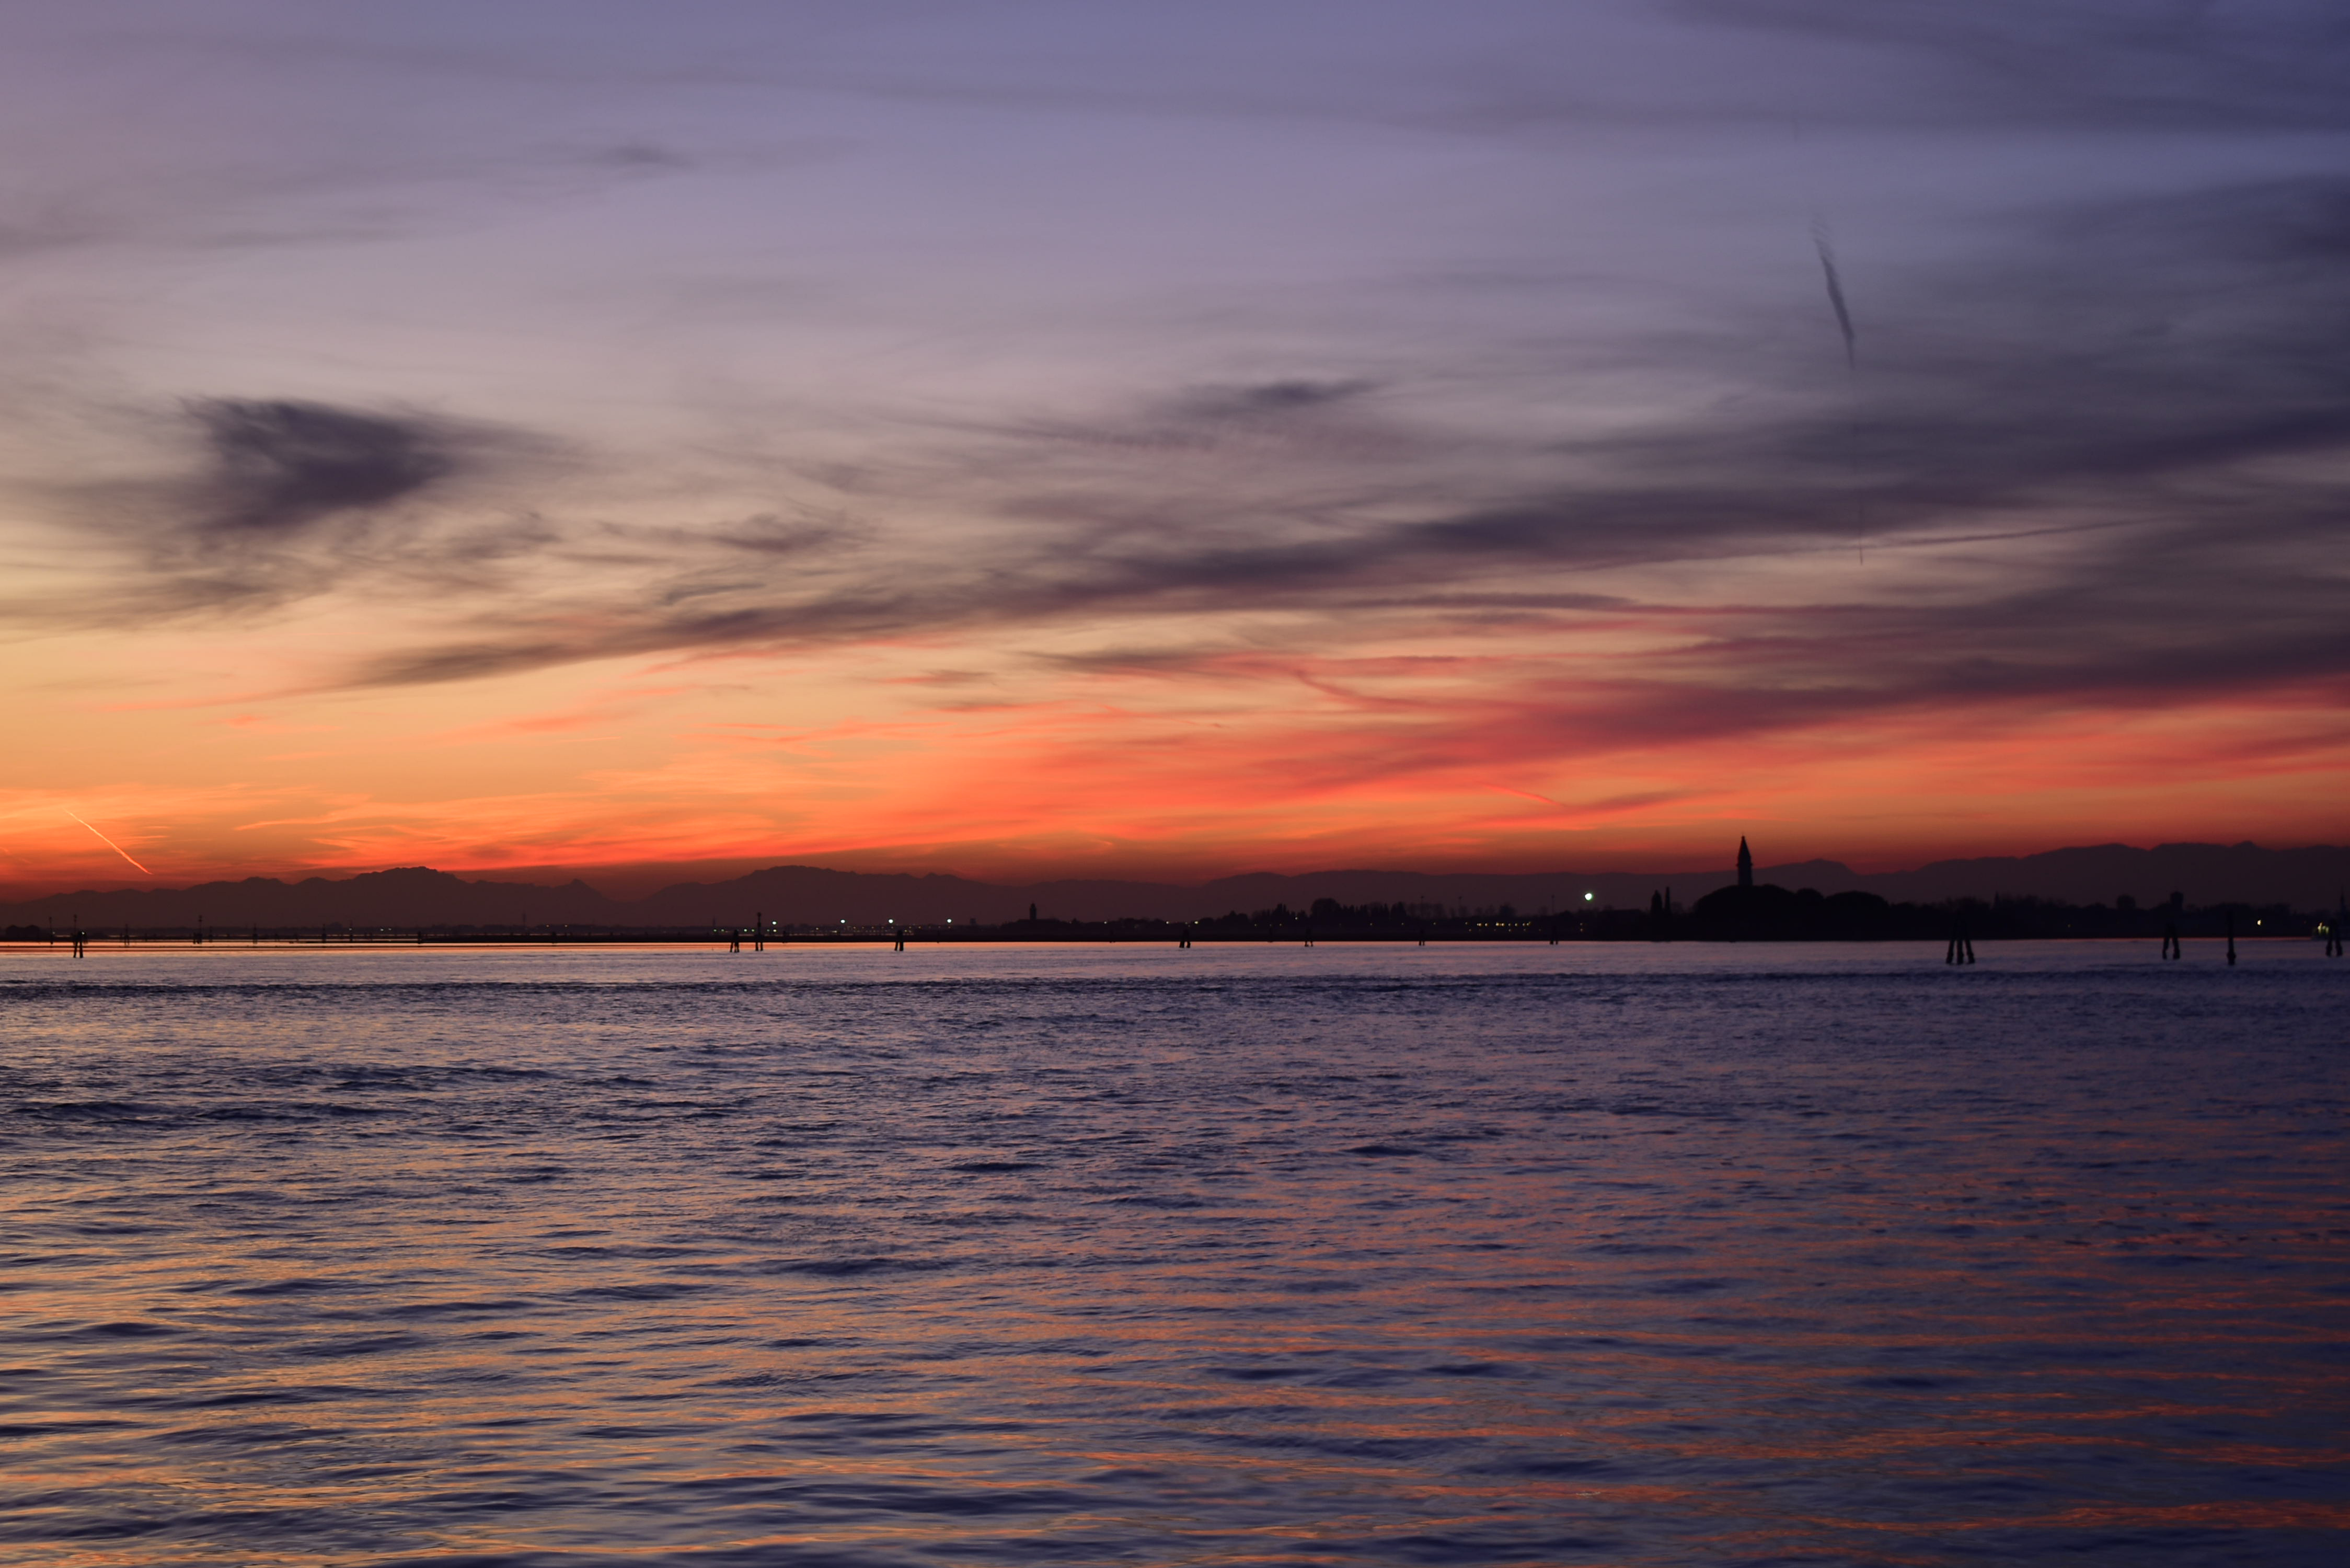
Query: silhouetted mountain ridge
2311,877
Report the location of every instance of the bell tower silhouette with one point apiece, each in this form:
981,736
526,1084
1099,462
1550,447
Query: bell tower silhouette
1745,862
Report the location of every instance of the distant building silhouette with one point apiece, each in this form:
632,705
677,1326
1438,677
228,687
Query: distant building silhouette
1745,862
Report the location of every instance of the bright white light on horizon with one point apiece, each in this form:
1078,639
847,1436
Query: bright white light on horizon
1588,896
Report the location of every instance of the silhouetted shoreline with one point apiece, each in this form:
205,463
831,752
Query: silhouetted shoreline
2245,876
1762,913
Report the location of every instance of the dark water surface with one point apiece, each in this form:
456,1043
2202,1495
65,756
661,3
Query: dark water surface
1350,1255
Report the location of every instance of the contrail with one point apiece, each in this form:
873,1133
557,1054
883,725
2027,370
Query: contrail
1836,292
110,843
1851,364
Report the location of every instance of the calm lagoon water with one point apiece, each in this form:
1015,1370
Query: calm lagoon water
1620,1255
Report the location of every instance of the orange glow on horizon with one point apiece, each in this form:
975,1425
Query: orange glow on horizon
1481,763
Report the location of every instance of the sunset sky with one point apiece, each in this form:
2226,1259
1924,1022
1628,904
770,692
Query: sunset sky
1168,440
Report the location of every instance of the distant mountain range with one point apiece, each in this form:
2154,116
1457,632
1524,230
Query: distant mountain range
2310,878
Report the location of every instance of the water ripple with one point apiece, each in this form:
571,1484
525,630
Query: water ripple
1672,1256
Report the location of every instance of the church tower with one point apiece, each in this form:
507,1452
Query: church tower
1745,862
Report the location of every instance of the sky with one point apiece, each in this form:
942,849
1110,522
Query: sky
1113,439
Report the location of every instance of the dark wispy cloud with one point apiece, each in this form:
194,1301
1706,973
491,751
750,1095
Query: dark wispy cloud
252,505
2120,437
2113,416
1268,400
281,468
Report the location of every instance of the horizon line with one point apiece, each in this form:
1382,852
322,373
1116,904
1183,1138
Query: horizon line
580,876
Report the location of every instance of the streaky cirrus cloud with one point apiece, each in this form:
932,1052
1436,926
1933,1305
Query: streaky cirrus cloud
1460,391
2148,417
